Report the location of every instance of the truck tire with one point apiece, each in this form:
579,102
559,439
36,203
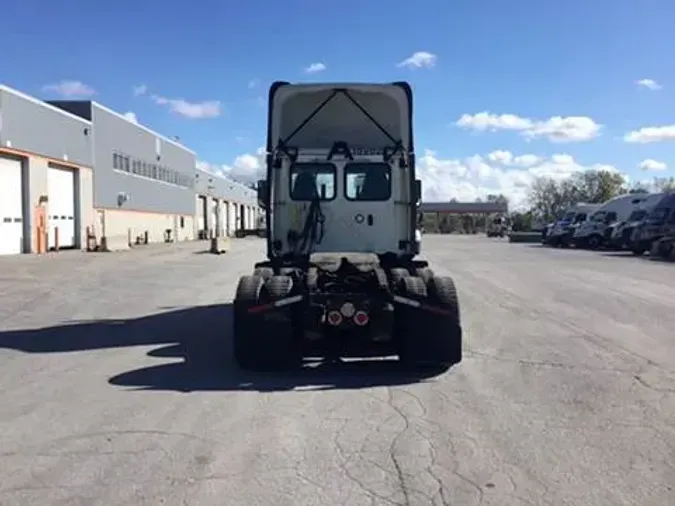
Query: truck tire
594,241
278,287
262,341
425,273
427,337
638,250
395,276
263,272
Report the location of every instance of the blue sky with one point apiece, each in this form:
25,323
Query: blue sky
527,58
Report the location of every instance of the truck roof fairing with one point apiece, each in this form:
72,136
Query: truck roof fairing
364,115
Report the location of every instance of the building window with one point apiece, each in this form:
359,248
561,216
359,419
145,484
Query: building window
182,222
127,164
116,164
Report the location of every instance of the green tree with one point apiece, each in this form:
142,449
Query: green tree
598,186
521,222
664,184
498,199
549,198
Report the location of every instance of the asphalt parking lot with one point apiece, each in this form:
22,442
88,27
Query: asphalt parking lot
117,388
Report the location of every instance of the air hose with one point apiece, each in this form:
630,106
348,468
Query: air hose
313,230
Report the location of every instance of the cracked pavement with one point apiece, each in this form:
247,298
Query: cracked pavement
117,388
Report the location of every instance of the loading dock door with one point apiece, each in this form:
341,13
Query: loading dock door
201,214
225,216
61,190
215,221
11,209
233,221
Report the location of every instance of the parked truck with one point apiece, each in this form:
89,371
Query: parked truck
621,234
659,223
596,231
340,198
562,232
498,227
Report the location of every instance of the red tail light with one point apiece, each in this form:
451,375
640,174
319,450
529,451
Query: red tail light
361,318
334,318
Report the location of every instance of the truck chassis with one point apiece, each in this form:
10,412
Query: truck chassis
343,303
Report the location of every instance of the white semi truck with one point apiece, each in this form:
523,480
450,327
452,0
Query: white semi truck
341,199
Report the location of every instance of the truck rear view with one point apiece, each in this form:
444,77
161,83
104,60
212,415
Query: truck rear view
341,199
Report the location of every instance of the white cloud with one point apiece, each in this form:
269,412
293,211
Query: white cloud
507,158
131,116
139,90
418,60
315,68
192,110
246,168
651,134
443,179
649,84
70,89
652,165
498,172
556,128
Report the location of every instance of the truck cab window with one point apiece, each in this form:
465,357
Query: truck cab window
368,181
310,181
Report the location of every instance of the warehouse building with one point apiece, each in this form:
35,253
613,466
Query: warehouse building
73,172
143,181
46,161
222,205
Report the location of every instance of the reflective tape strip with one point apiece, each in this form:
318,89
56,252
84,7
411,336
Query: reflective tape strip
407,302
287,301
424,307
278,303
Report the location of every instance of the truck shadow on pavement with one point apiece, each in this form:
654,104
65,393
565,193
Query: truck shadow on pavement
199,341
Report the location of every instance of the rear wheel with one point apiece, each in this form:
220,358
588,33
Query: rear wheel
396,275
263,340
594,241
425,273
263,272
638,249
430,335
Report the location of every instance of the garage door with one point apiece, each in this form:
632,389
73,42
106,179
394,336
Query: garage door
201,213
225,217
11,209
214,217
61,188
232,220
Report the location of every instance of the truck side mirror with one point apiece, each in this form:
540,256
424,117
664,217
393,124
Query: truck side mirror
263,195
418,191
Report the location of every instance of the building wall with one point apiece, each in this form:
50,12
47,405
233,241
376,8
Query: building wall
114,157
36,188
231,196
156,174
144,181
39,134
134,224
32,126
